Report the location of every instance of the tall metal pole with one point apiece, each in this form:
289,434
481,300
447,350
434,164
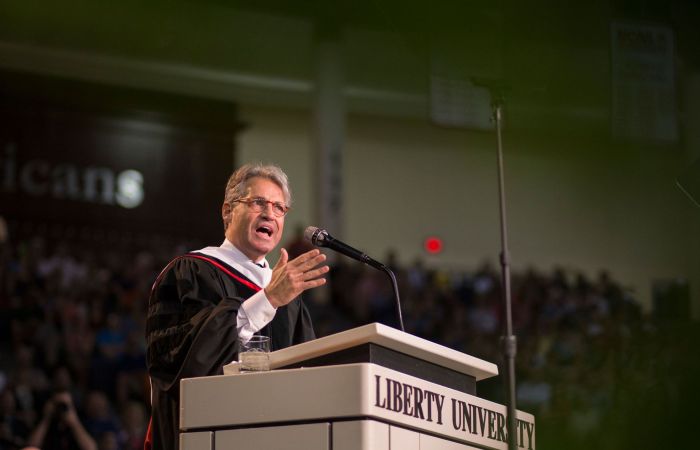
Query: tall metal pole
508,341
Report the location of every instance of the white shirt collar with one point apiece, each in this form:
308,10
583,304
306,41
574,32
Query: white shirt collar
235,258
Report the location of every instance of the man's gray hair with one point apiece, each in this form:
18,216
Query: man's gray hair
238,182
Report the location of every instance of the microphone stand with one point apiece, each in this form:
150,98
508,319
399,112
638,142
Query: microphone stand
508,342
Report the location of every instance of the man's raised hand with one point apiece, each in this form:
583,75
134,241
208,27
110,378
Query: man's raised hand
291,278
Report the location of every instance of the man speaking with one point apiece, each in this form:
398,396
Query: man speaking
205,303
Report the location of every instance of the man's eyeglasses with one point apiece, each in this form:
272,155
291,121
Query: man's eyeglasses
258,204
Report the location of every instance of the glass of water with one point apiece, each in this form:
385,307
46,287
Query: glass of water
254,355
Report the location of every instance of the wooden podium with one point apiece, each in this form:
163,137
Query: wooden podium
368,388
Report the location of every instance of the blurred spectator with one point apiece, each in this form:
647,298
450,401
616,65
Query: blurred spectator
63,264
134,422
99,417
13,430
132,378
60,427
29,384
110,344
108,441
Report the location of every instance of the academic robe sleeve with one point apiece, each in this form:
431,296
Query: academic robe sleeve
191,326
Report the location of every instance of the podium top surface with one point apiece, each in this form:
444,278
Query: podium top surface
388,337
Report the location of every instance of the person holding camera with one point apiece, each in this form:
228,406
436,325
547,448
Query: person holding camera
60,427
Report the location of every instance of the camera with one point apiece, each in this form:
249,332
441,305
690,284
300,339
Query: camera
61,407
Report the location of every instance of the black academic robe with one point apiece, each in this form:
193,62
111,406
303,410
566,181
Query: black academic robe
191,331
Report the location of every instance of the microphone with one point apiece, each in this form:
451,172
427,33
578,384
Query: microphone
320,238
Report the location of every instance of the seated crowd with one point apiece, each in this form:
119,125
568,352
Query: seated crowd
73,375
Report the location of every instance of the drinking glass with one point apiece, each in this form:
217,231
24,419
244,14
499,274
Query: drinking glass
254,355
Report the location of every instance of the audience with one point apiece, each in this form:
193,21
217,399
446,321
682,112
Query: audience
72,369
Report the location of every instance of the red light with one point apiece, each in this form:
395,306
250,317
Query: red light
433,245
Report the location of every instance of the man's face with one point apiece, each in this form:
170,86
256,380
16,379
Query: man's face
255,233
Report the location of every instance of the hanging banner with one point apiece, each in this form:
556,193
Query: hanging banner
643,83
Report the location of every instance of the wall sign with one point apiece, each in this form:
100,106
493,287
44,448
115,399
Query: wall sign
119,169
